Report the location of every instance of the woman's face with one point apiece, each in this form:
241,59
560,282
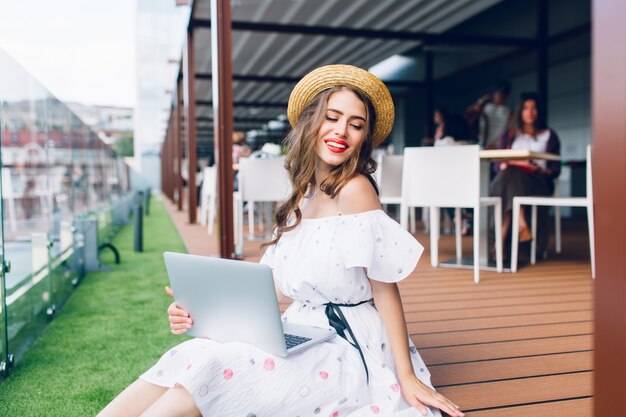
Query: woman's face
343,129
438,117
529,112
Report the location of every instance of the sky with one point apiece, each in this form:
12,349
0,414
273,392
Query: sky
80,50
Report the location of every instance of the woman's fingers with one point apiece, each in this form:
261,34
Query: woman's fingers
415,403
178,329
169,291
180,320
174,310
446,405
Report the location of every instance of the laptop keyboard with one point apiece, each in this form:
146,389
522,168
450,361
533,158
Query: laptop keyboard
293,340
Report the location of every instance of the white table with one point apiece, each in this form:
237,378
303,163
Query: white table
486,158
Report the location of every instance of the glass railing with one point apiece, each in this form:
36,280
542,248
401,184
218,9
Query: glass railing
53,169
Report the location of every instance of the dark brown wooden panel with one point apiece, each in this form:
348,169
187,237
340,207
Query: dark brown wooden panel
501,334
520,391
509,369
497,350
568,408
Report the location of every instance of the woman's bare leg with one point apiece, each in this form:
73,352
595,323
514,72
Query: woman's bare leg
506,224
524,231
176,402
134,400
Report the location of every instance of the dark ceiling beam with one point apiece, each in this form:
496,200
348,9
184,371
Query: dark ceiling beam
237,119
294,80
245,103
428,38
584,29
208,128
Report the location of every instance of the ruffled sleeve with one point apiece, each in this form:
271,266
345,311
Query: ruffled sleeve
374,241
268,256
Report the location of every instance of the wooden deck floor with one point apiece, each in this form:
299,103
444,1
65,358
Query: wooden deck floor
513,345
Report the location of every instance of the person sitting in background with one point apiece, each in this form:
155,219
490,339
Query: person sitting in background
520,178
240,148
439,118
489,116
454,132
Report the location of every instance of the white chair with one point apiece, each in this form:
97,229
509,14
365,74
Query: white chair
260,180
535,201
388,176
437,177
208,197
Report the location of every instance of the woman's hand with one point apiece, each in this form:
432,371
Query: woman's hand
179,319
419,395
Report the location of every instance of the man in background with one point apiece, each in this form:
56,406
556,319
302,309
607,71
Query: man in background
489,116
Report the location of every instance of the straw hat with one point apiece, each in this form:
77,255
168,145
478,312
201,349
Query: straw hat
329,76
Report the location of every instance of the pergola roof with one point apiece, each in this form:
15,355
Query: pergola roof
275,42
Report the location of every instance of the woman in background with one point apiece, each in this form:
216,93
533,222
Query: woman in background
522,178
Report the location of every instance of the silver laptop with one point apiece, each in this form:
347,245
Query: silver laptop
235,301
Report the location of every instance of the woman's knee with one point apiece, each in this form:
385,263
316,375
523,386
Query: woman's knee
176,402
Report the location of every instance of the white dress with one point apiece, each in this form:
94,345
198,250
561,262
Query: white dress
321,261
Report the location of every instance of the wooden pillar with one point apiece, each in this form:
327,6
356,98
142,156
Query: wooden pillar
542,55
167,165
178,145
164,157
429,94
190,123
609,195
221,61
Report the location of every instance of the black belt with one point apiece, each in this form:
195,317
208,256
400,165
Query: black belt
338,321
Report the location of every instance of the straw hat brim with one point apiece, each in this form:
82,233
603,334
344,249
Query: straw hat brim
329,76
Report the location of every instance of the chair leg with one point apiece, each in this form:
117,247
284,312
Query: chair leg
425,221
238,208
533,231
434,237
592,240
211,216
250,219
404,216
476,240
203,208
412,219
498,221
557,228
514,235
458,236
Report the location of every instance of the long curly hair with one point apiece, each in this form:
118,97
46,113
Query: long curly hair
301,156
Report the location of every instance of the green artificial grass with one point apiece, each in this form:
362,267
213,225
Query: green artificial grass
112,329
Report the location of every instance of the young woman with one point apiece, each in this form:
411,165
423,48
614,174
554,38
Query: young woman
519,178
338,256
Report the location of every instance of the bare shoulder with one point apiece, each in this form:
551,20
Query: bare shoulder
358,195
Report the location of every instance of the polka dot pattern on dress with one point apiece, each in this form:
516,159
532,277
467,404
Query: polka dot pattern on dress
269,364
304,391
